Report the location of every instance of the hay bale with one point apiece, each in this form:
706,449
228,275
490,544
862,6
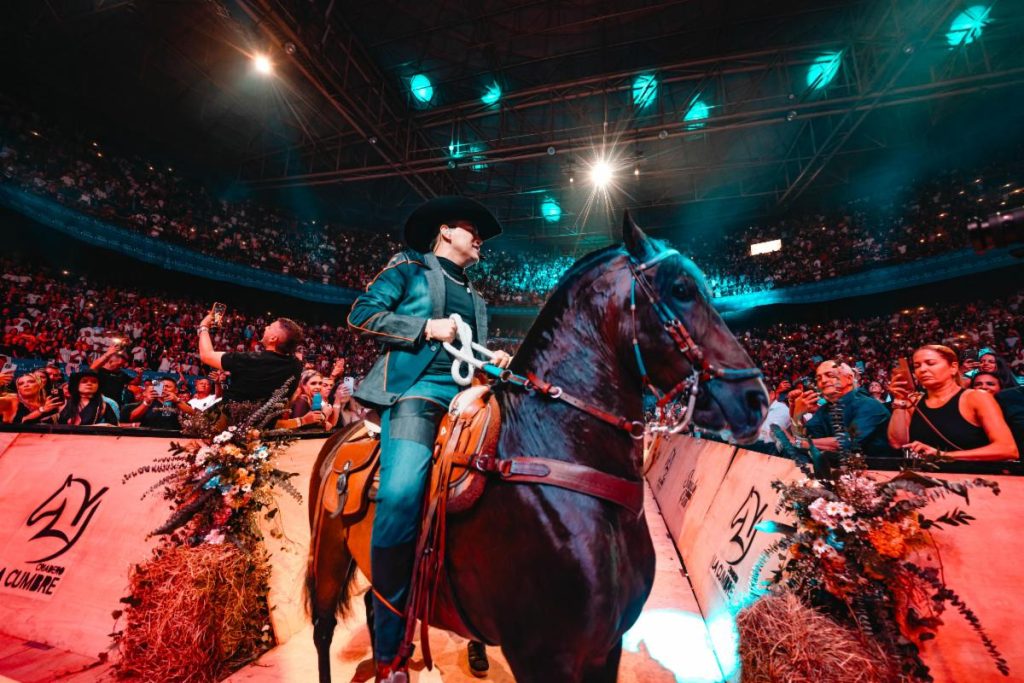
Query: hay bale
198,614
782,639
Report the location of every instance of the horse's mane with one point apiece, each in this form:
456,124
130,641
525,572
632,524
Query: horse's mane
584,271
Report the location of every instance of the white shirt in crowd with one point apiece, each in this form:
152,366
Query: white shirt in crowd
778,414
203,403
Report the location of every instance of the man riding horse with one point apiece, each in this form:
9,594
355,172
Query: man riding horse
407,308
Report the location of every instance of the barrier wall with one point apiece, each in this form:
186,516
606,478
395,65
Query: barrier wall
713,495
70,531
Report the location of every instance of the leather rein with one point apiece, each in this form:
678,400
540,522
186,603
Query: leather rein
587,480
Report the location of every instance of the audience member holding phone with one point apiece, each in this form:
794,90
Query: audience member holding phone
308,405
946,420
257,375
863,417
109,367
30,404
161,407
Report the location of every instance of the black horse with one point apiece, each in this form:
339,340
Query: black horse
553,576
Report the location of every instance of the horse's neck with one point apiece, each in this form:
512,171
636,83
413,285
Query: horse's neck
575,356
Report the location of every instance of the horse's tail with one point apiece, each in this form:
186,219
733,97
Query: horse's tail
343,599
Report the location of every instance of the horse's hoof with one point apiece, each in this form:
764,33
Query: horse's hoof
478,663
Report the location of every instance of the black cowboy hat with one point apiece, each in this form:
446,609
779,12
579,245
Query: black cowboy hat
78,377
424,223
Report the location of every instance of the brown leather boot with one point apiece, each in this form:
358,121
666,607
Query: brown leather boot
396,671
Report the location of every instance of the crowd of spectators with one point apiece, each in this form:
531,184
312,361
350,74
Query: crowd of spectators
95,354
874,344
65,324
927,218
157,201
73,320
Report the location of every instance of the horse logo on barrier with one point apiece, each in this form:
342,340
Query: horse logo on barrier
689,488
744,522
69,510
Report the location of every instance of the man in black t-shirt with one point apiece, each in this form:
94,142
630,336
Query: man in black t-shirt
110,368
255,376
1011,401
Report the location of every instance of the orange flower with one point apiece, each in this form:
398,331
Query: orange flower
887,539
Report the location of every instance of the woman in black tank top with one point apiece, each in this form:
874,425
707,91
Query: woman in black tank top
948,420
945,427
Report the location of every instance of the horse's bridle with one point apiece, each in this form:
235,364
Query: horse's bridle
701,368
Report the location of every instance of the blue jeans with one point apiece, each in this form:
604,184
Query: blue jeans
408,430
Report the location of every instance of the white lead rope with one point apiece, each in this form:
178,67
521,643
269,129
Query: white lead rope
463,358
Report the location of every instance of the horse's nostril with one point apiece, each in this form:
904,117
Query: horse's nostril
756,400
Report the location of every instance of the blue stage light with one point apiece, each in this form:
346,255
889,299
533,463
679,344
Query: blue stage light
492,94
478,155
645,89
823,70
422,89
967,26
696,114
550,209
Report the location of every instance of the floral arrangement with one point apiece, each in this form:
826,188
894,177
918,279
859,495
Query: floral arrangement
208,578
862,552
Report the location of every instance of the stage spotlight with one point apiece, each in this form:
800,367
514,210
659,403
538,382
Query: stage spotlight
967,26
492,94
550,209
262,64
823,70
601,174
696,114
645,89
422,88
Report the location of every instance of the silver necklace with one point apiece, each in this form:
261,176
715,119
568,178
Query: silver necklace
456,281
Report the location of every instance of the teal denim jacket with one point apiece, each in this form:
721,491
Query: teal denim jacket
394,310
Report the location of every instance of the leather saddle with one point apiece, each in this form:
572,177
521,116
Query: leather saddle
347,476
470,427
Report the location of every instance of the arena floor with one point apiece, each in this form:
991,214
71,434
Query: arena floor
671,612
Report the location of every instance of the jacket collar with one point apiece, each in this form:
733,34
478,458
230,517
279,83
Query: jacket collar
436,286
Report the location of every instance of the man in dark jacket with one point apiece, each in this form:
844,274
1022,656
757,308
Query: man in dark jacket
407,308
864,418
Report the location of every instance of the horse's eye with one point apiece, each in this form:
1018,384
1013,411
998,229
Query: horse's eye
684,290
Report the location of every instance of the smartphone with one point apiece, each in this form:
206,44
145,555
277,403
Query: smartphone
159,388
904,368
7,366
219,310
318,402
350,383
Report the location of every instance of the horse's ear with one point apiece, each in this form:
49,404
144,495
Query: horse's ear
634,238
